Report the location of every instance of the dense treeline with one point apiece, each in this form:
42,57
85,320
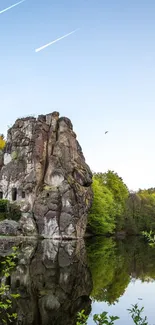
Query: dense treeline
139,214
116,209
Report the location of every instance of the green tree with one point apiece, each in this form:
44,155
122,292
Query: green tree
119,191
115,209
110,195
140,211
101,218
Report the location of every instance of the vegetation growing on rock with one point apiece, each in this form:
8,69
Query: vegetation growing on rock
9,210
2,142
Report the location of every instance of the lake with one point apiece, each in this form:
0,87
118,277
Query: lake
123,275
57,279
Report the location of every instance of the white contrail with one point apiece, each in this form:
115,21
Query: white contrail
58,39
8,8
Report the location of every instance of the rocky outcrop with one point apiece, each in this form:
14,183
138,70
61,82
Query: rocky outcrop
28,225
10,227
45,172
1,159
54,283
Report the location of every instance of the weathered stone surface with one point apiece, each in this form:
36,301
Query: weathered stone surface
10,227
44,169
54,282
1,159
28,244
28,225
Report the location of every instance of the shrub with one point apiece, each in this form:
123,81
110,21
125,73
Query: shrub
13,212
105,319
7,298
3,205
9,210
3,216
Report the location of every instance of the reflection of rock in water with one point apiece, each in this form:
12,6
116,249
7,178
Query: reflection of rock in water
54,284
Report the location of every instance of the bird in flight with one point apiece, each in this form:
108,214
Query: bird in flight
8,8
106,132
57,40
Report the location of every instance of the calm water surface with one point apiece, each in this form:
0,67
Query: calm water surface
57,279
124,275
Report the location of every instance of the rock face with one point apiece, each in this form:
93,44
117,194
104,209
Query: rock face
10,227
54,283
44,170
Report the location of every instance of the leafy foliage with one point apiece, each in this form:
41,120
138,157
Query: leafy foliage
110,194
115,184
114,209
9,210
81,318
140,212
150,236
99,319
2,142
136,315
101,216
13,212
104,319
6,297
3,205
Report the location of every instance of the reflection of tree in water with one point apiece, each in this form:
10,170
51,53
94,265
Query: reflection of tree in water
109,275
141,258
54,282
114,263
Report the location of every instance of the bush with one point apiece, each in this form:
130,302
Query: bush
3,205
3,216
9,210
14,212
104,319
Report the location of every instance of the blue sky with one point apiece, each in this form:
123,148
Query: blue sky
102,76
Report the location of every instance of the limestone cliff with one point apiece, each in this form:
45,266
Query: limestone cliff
44,170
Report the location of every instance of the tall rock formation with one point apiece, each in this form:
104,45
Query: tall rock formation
44,170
